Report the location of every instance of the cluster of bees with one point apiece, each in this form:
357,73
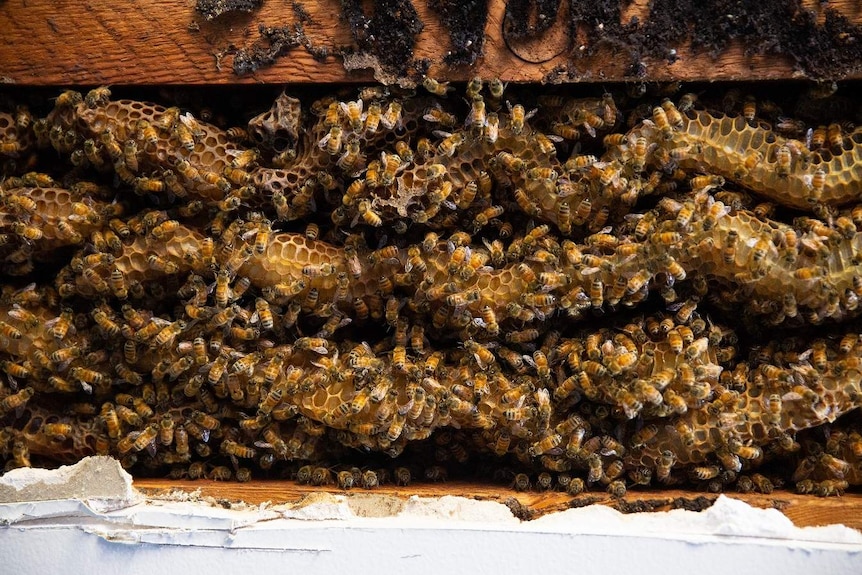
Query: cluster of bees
418,275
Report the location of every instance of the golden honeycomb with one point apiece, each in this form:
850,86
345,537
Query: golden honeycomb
433,279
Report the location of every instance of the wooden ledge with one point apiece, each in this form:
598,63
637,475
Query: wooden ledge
167,42
803,510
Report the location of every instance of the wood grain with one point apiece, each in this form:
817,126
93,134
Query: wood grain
138,42
803,510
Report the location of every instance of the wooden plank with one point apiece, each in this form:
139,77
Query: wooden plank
45,42
803,510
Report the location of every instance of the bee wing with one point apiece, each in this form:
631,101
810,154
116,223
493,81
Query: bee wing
250,233
188,120
429,114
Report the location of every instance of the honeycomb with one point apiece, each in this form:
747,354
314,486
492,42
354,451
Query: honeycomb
468,285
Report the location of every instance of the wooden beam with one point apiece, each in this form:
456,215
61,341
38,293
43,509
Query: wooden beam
141,42
803,510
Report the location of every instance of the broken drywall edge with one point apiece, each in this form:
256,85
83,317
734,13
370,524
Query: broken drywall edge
177,515
78,480
318,507
453,508
99,481
64,498
26,511
727,518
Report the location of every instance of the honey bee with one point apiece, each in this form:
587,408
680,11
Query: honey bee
548,175
16,400
697,348
282,208
450,143
589,121
331,142
835,136
352,111
105,322
773,405
168,119
517,117
659,117
483,356
538,300
402,476
22,203
231,447
674,269
664,466
167,429
548,443
219,473
130,155
332,113
68,99
180,366
169,333
146,437
109,417
749,109
61,384
705,472
783,159
31,233
351,158
56,431
762,483
189,172
749,452
685,433
184,134
816,138
205,421
435,87
617,139
396,427
673,113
